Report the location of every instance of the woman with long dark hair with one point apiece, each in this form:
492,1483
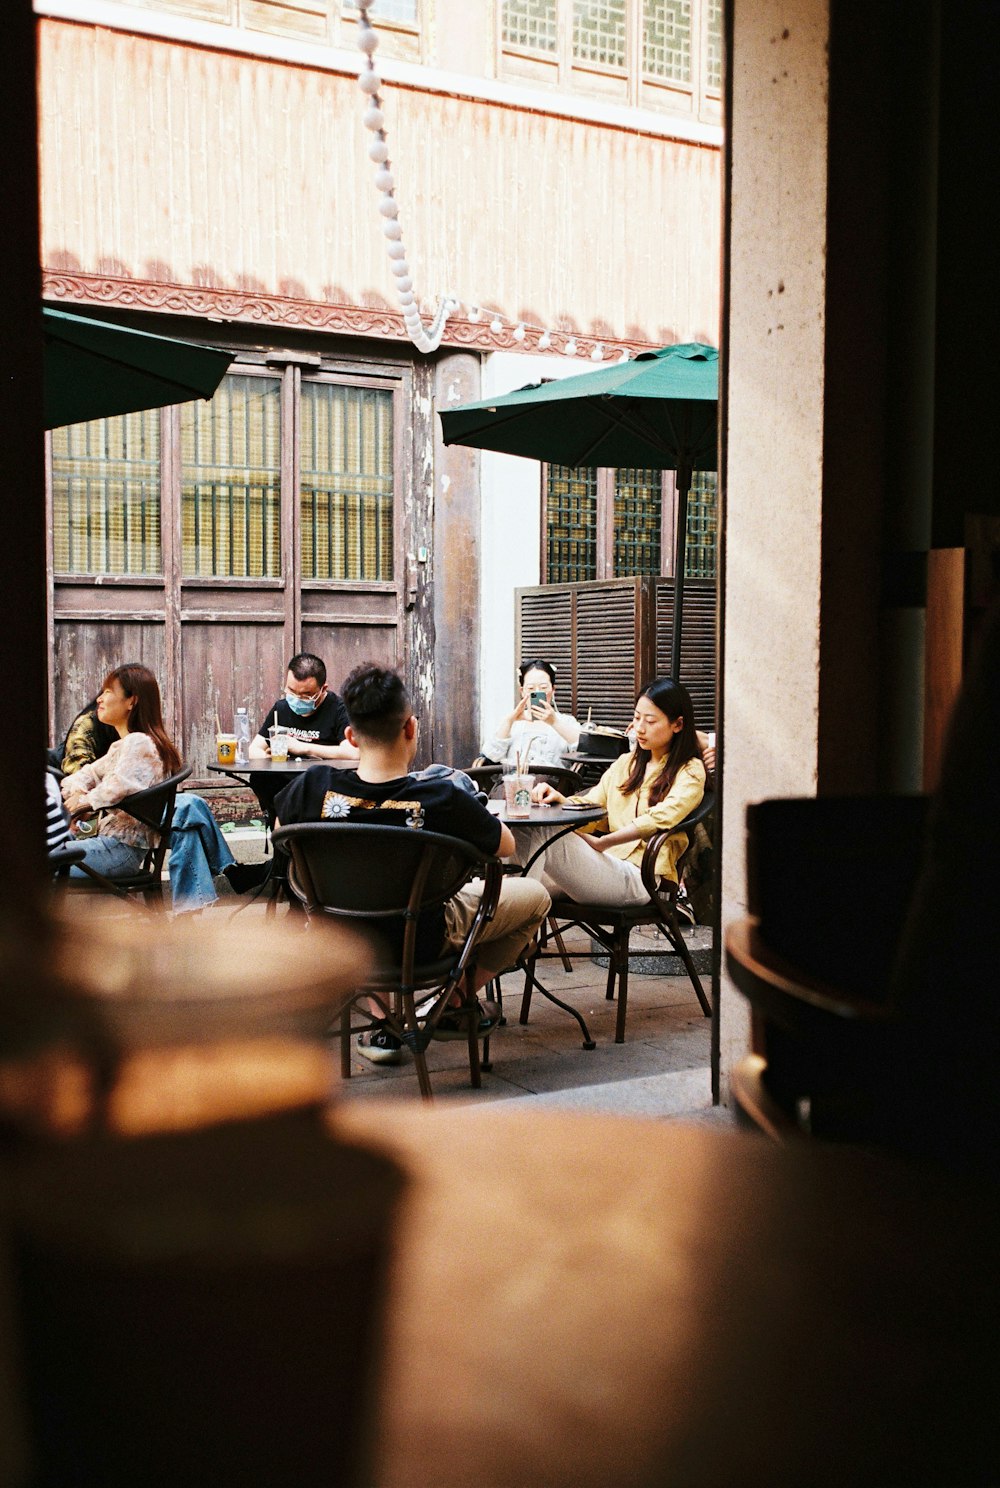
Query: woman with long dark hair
654,787
142,755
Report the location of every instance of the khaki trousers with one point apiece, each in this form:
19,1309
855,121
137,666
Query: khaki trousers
522,908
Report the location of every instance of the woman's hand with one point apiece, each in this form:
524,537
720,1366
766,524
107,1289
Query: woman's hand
523,710
545,794
543,712
74,802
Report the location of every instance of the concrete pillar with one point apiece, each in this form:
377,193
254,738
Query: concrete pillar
831,288
774,428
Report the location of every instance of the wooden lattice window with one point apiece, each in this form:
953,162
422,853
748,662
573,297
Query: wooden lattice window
531,24
638,522
666,39
346,460
106,496
231,481
571,523
599,34
702,522
713,59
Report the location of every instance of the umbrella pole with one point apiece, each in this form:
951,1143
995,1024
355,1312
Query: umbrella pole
680,555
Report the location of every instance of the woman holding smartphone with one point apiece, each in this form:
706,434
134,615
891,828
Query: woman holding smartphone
535,729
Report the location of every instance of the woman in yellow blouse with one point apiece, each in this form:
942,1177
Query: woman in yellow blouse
656,786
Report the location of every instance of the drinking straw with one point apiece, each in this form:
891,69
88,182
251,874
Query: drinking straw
218,725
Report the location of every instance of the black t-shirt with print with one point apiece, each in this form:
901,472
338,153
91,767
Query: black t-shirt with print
431,804
324,726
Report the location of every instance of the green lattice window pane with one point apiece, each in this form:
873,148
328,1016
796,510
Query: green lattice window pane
666,39
571,510
638,521
713,61
702,521
599,32
532,24
390,10
346,455
231,481
106,496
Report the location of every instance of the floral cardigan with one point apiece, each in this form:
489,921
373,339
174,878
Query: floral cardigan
131,764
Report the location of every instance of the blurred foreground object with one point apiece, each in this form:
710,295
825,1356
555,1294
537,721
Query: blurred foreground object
197,1267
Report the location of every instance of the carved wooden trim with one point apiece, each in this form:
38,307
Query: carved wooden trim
215,304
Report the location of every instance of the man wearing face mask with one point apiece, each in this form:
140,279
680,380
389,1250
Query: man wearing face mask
313,715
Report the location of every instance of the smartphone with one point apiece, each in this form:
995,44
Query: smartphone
538,698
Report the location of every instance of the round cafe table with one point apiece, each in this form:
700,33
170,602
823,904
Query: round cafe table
558,821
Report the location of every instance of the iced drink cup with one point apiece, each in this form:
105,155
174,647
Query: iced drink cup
517,795
225,749
279,743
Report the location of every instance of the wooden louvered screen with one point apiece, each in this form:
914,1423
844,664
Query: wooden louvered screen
544,628
697,642
599,634
611,650
609,638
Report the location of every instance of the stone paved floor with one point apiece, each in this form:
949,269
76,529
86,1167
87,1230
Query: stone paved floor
662,1069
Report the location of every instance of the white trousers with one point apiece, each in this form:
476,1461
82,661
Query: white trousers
569,866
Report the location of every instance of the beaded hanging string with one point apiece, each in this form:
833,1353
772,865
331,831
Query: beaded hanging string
424,339
428,338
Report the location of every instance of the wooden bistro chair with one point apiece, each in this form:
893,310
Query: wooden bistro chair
154,807
829,883
611,925
381,877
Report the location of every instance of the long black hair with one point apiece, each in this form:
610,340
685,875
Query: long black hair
673,701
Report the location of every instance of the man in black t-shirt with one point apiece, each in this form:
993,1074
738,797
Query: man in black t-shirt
383,790
314,716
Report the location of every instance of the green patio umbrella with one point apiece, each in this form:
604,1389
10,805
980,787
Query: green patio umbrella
94,369
657,411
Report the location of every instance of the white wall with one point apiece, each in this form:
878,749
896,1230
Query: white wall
510,534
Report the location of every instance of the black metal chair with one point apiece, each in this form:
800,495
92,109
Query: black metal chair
611,925
386,879
154,807
825,1036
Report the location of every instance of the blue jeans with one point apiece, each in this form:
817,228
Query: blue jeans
110,856
198,851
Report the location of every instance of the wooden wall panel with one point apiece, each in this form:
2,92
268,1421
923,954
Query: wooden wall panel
86,652
225,667
220,171
344,645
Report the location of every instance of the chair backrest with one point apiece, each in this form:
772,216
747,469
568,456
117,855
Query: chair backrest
154,807
486,776
830,878
667,889
490,778
374,872
393,878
